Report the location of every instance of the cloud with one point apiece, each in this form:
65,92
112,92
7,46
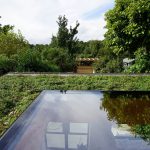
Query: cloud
92,29
97,12
37,18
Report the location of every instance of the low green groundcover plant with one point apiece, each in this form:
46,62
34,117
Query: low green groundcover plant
17,92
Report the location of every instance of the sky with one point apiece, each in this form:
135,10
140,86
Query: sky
36,19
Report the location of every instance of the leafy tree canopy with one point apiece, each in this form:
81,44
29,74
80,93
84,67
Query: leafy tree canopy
66,38
128,25
11,42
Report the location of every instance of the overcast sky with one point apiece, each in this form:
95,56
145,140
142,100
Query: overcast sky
37,18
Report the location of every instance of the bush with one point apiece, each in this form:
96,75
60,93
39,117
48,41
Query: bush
108,65
12,43
6,64
60,58
142,62
32,60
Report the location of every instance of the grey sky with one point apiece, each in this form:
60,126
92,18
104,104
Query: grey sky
37,18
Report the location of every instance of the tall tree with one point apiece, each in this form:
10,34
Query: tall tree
63,32
128,25
65,38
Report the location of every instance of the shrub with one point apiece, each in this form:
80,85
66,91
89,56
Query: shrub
142,62
32,60
6,64
108,65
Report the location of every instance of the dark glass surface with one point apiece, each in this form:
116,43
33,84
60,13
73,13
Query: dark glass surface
82,120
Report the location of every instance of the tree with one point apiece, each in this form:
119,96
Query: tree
6,28
63,32
108,61
54,42
128,25
32,60
142,62
91,48
6,64
59,57
11,42
66,38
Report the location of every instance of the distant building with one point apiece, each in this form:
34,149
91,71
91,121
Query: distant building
85,65
128,62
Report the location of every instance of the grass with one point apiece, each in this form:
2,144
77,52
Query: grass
17,92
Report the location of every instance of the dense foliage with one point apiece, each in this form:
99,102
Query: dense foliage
128,25
66,38
16,54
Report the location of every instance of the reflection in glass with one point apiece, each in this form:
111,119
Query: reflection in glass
130,109
78,142
67,135
79,128
74,121
55,140
125,138
55,127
